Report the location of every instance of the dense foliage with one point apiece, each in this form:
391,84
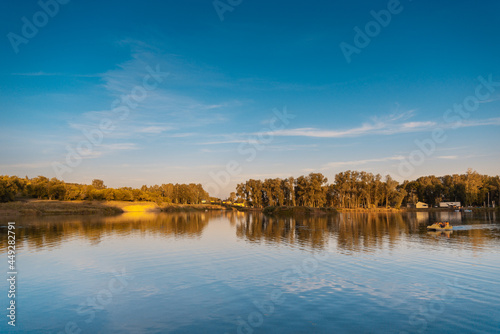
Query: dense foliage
12,187
353,189
350,189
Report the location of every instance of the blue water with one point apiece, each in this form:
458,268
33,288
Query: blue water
231,272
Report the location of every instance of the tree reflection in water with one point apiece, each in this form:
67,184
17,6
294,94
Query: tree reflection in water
359,232
50,231
364,232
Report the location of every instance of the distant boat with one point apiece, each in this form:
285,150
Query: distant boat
440,226
467,210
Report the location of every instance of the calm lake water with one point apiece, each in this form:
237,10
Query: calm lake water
230,272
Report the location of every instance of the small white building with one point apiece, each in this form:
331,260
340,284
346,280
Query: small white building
449,204
421,205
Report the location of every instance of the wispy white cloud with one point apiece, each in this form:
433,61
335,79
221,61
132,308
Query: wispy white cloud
282,148
101,150
319,133
309,170
490,100
230,141
182,135
28,165
413,125
381,128
164,108
448,157
209,150
364,130
391,124
120,146
154,129
260,176
401,115
475,122
361,162
92,154
196,167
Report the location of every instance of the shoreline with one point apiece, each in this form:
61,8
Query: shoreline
35,207
53,207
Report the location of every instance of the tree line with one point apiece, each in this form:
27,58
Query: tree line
41,187
349,189
353,189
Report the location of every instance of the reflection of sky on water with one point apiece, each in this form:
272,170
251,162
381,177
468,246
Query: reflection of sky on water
205,270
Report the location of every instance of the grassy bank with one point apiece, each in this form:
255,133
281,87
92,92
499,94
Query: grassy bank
47,207
190,207
497,209
133,206
296,211
381,210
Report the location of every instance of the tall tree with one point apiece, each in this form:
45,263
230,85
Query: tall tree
98,184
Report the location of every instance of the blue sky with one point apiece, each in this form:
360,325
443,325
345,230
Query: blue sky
225,78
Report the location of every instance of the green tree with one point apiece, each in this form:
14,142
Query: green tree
9,187
98,184
473,183
56,189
